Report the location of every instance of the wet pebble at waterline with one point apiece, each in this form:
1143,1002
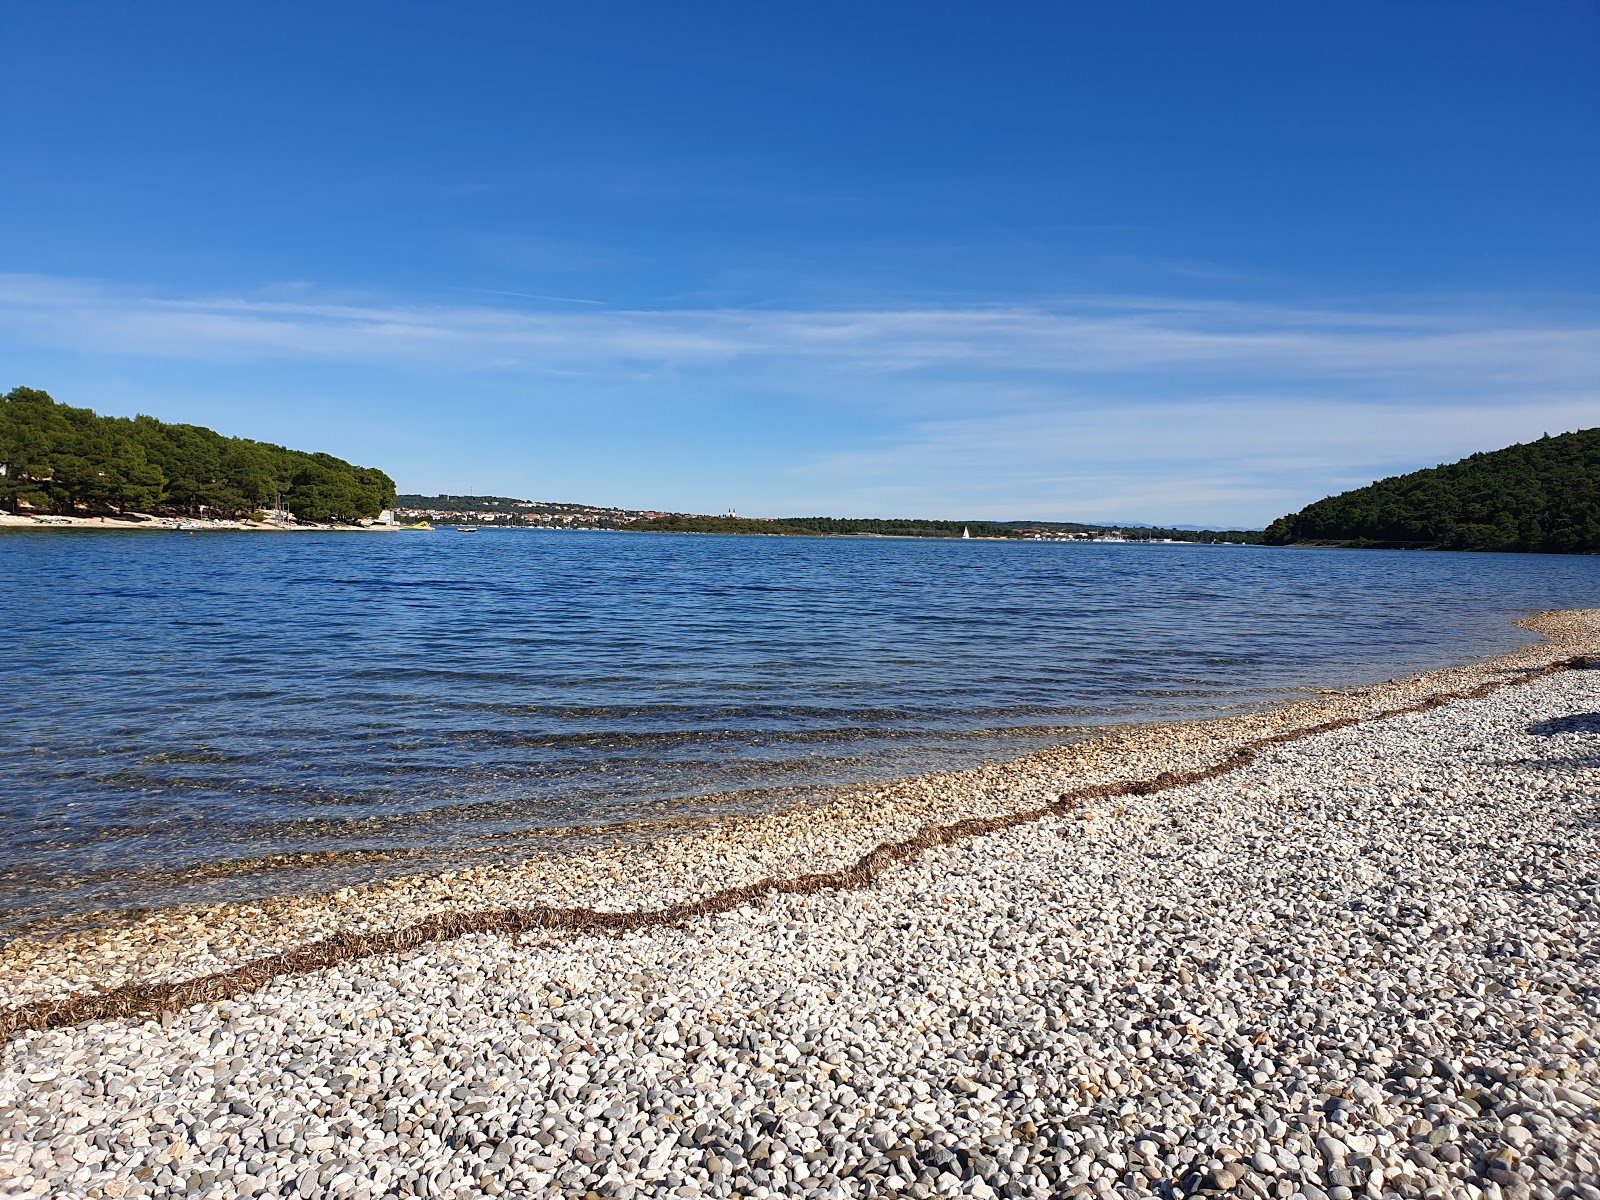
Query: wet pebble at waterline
69,976
1362,965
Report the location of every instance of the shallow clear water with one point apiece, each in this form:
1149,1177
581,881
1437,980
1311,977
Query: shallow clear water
180,709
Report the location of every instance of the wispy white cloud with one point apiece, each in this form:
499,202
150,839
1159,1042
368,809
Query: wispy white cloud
1095,406
1231,460
529,295
1084,336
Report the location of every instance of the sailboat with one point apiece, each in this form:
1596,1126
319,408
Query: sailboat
966,533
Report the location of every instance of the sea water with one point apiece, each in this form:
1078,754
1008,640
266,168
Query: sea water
228,715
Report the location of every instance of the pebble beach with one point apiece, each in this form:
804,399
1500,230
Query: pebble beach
1363,962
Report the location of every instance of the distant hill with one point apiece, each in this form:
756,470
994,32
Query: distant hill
1537,496
54,458
491,504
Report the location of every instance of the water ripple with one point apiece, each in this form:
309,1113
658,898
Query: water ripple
178,708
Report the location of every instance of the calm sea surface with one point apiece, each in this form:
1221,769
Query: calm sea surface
231,715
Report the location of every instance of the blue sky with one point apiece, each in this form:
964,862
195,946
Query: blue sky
1156,262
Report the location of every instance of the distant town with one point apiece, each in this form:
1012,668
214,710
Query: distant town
509,513
503,510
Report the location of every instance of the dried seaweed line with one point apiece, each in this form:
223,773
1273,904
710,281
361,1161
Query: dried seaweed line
153,998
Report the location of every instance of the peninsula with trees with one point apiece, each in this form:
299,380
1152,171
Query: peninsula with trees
1541,496
70,461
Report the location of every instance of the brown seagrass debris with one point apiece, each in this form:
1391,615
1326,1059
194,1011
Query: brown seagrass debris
151,999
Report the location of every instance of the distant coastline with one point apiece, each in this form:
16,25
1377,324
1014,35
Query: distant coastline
154,523
506,512
69,468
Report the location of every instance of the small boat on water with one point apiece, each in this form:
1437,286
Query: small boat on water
466,529
966,533
419,525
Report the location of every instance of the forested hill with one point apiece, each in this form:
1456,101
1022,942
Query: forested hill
54,458
1538,496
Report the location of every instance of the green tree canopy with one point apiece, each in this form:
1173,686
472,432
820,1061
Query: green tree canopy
62,459
1536,496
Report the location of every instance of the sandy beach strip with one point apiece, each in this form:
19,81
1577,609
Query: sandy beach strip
1360,960
146,523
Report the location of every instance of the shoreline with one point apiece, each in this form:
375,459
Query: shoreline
344,947
802,838
1343,948
168,525
364,864
152,524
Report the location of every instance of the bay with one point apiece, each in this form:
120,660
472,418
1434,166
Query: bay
223,716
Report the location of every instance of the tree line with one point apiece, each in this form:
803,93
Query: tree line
1142,533
899,527
1537,496
693,523
1251,537
60,459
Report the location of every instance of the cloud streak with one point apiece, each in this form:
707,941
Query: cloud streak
1234,460
1093,407
1088,336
